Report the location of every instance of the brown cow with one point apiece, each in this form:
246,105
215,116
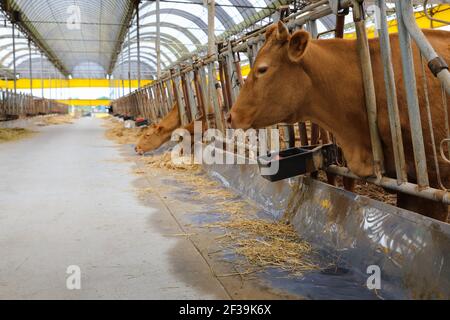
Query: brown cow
296,78
157,135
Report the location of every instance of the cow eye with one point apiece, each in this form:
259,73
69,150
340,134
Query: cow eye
262,69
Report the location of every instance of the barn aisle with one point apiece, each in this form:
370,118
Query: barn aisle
67,198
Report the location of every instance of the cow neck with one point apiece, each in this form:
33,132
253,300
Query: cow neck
173,120
335,98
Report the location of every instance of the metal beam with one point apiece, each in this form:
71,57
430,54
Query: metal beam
138,44
122,34
14,57
31,68
158,40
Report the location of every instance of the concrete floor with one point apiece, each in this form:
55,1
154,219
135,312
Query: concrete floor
67,198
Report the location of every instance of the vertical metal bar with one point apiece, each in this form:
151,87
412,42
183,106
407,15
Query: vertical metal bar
412,100
315,130
162,92
226,104
31,68
153,104
187,101
237,69
219,121
303,134
198,92
129,63
232,80
430,123
121,74
210,105
340,23
189,81
227,82
158,40
211,26
159,99
169,94
143,96
391,95
251,57
50,84
406,12
446,116
148,103
138,45
178,98
42,75
14,58
369,87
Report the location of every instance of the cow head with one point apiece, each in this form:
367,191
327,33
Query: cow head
277,83
152,139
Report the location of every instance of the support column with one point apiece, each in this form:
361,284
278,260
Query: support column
210,117
14,58
42,75
211,26
138,45
121,74
129,62
50,75
31,68
158,41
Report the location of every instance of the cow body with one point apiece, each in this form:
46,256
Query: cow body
296,79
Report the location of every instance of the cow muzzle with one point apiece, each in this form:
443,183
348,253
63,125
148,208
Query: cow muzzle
234,122
139,151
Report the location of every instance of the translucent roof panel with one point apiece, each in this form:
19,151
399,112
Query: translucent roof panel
184,26
91,38
40,65
77,32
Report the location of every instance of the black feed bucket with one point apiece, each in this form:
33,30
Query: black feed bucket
141,122
297,161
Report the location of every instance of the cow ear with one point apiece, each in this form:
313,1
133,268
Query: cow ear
282,32
298,44
270,30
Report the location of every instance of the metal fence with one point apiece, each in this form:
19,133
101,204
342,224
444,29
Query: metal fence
207,87
13,106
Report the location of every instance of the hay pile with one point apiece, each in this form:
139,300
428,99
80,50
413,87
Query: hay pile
11,134
366,189
164,161
56,120
375,192
266,243
119,134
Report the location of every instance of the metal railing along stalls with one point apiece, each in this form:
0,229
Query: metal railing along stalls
14,106
208,87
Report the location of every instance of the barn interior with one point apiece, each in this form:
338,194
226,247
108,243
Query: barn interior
116,176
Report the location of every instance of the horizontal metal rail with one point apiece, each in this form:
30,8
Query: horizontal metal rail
389,183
